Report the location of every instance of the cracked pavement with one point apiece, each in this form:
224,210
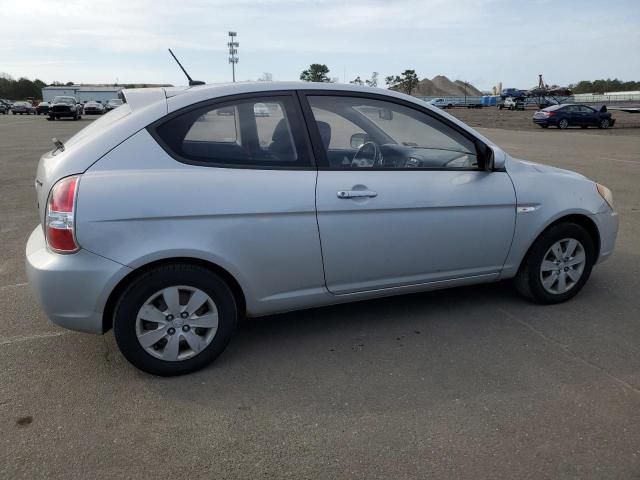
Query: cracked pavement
465,383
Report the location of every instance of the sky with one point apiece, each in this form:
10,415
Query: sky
480,41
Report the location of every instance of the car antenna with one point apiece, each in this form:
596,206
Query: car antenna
191,81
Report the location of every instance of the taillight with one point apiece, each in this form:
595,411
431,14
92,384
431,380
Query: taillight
59,220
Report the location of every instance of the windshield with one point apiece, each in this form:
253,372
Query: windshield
63,100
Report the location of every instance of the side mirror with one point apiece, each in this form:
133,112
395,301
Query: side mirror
358,139
385,114
487,156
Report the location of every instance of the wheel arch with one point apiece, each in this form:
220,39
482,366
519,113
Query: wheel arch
236,289
580,219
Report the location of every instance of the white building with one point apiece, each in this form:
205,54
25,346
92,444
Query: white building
82,93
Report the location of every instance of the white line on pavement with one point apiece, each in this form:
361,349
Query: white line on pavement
26,338
2,287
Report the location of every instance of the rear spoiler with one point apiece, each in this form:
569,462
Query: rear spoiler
141,97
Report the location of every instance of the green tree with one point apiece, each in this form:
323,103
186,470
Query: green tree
316,73
404,82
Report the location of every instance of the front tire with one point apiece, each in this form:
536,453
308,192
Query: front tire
604,123
557,265
174,319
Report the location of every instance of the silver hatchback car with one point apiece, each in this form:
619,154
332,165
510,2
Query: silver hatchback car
178,212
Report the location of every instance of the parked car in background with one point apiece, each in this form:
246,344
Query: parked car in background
260,110
572,115
93,108
512,92
167,222
22,108
4,108
65,106
511,103
113,103
42,108
443,102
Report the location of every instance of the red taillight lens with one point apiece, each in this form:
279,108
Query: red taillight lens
550,114
60,216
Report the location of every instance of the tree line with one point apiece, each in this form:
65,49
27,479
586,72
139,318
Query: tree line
602,86
21,88
406,82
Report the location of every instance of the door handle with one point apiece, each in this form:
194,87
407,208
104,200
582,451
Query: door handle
357,194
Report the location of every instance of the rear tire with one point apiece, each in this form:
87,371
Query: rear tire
539,278
126,323
563,124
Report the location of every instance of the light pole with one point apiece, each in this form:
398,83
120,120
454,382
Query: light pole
233,52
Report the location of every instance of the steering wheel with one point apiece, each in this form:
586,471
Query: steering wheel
367,156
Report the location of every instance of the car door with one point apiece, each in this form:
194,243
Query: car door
589,116
215,181
421,211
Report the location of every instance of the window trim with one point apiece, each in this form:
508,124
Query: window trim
298,129
320,155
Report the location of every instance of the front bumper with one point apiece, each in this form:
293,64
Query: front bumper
72,289
607,222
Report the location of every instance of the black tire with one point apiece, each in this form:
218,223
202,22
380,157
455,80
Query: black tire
563,123
528,282
152,281
604,123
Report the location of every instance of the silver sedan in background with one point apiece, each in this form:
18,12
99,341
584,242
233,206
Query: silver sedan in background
180,211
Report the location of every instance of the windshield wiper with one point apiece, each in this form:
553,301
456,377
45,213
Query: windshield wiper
59,145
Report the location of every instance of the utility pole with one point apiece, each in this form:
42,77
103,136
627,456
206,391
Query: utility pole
233,52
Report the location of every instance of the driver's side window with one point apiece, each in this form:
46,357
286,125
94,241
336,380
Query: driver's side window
368,133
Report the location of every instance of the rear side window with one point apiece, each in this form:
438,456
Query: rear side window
261,132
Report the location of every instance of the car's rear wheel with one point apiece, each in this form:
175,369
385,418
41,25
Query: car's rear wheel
174,319
558,264
604,123
563,123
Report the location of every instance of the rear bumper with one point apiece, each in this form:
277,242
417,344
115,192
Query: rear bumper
544,121
72,289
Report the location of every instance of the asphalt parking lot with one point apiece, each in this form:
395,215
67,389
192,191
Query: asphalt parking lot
465,383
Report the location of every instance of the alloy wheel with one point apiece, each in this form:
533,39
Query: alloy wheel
562,266
177,323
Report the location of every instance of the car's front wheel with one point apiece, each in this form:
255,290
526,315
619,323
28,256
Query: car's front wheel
604,123
558,264
174,319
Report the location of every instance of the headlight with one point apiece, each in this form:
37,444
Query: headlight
606,194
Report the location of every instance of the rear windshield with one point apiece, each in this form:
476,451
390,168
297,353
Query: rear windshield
63,100
553,108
